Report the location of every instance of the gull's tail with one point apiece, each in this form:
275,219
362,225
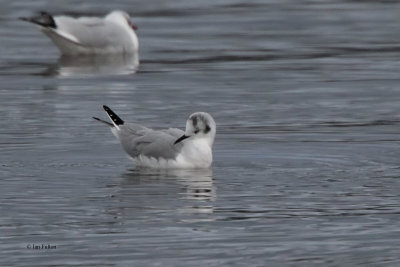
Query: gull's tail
103,121
44,19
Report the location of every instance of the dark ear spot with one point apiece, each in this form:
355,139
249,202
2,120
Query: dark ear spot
207,129
194,119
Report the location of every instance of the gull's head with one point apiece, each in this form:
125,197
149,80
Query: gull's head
200,125
122,18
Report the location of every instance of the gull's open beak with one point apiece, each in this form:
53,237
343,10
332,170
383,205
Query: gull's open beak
133,26
183,137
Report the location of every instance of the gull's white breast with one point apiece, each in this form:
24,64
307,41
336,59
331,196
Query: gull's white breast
195,153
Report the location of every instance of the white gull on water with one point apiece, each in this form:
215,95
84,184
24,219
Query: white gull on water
111,34
170,148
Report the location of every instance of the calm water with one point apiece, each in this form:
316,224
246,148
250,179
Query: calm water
307,157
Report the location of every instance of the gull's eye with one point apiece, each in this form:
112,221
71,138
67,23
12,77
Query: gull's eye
196,131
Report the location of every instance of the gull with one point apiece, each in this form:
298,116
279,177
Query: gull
111,34
169,148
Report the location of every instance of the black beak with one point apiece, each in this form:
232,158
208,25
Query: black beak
183,137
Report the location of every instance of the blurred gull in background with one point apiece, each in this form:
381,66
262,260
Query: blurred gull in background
111,34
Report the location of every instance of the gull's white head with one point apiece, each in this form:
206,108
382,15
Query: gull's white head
200,125
122,18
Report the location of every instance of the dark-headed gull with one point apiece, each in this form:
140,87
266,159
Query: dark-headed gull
111,34
170,148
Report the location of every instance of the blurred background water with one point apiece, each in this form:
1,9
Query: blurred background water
306,160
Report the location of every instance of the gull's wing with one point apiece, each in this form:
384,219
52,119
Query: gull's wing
138,140
90,32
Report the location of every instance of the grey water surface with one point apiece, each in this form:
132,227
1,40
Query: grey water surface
306,172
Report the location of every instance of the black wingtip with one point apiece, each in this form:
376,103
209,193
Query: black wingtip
114,117
44,19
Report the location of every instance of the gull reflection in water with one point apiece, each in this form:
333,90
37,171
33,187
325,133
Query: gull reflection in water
198,184
95,65
164,192
199,189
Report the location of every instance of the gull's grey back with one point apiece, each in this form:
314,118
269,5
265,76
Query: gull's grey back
138,140
93,32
